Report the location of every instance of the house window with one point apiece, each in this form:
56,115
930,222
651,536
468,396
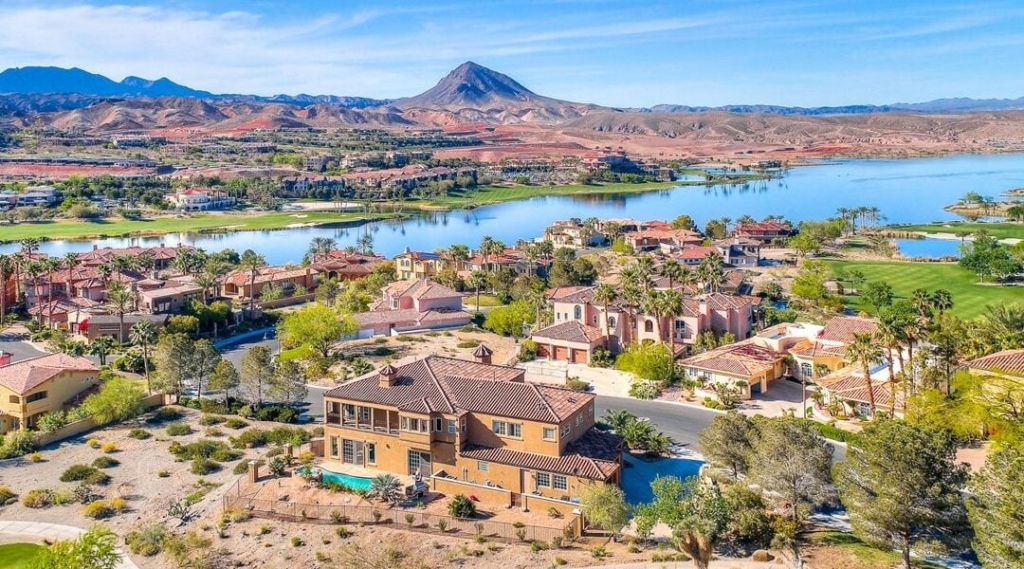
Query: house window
504,429
543,480
499,428
579,419
437,425
611,321
481,466
462,425
415,425
15,399
38,396
334,447
452,427
577,312
806,370
648,326
559,482
364,414
371,453
549,433
565,429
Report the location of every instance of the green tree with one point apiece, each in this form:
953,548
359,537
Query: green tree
288,383
510,320
604,505
202,360
805,243
172,359
865,352
478,280
224,377
119,302
118,400
252,262
986,257
144,334
995,508
792,462
101,348
257,372
316,326
878,295
728,442
684,222
697,513
901,485
809,283
648,360
94,549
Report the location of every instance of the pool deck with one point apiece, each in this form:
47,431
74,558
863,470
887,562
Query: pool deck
360,471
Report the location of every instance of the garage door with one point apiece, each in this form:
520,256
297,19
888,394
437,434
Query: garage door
561,353
579,356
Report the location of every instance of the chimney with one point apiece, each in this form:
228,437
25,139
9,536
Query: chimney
388,375
5,358
482,354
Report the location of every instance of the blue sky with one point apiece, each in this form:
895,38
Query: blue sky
617,53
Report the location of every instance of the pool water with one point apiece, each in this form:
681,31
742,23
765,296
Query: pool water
353,482
929,247
636,479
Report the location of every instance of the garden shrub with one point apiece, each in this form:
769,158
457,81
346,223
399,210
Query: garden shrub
203,466
37,498
105,462
147,540
7,496
235,423
84,473
209,420
462,507
165,414
98,510
139,434
179,429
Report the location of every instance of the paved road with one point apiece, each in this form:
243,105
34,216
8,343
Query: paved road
681,422
12,340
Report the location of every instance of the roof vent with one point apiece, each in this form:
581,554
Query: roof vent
482,354
387,375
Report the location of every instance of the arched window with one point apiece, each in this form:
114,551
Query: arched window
648,326
577,312
611,321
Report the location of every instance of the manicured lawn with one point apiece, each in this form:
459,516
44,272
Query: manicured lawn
18,555
864,553
485,300
998,230
494,194
969,297
68,229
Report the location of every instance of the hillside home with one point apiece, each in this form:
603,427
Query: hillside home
33,387
847,388
472,427
413,305
739,252
745,365
763,231
201,199
92,326
239,286
418,264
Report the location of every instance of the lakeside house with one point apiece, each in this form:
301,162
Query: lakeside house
574,234
295,284
201,199
763,231
410,305
472,427
36,386
419,264
343,266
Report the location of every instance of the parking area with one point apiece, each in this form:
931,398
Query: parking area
14,340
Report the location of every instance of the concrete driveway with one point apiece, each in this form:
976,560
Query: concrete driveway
14,340
782,395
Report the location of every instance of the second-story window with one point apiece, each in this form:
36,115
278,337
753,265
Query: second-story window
549,433
36,397
452,428
565,429
577,312
579,419
481,466
504,429
437,424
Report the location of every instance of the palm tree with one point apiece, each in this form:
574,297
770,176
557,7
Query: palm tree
33,270
144,334
51,265
101,347
891,339
119,301
606,294
70,262
619,419
386,488
671,306
458,254
710,272
923,303
105,271
144,262
672,270
865,352
478,279
942,300
365,244
19,261
320,248
252,262
652,306
6,270
208,282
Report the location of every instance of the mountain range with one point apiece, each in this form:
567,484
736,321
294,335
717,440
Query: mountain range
468,87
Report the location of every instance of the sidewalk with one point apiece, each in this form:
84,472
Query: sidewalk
39,530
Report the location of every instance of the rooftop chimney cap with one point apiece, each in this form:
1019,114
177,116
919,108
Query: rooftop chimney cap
388,371
482,351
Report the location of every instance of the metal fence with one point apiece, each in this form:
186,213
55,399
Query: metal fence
241,496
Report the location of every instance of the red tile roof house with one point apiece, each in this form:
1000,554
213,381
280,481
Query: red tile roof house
763,231
36,386
237,285
411,305
665,240
162,256
745,365
344,266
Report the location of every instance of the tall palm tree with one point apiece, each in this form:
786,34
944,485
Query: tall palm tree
606,294
632,295
923,303
942,300
208,282
672,306
144,262
6,271
51,265
365,243
320,248
891,340
144,334
672,270
252,262
119,301
34,270
19,260
70,262
865,352
101,348
478,279
652,305
710,272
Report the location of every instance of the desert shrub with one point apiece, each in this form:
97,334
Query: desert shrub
461,507
105,462
7,496
762,556
243,466
52,421
164,474
205,448
214,432
179,429
37,498
235,423
538,546
297,541
342,532
109,448
35,457
84,473
139,434
468,344
63,497
165,414
643,389
18,443
251,438
147,540
203,466
93,443
208,420
577,384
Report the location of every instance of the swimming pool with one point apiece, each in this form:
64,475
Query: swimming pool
353,482
637,478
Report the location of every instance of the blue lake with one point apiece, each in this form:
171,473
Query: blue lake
906,191
929,247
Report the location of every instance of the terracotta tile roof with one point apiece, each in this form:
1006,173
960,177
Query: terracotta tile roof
420,255
809,349
449,385
719,301
761,226
407,315
698,252
744,359
419,288
1007,362
570,331
848,383
271,274
843,328
575,462
575,294
21,377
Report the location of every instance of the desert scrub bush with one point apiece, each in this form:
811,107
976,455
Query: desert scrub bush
577,384
203,466
461,507
139,434
164,474
235,423
468,344
37,498
165,414
105,462
35,457
243,466
84,473
209,420
538,546
297,541
179,429
214,432
147,540
218,451
63,497
342,532
93,443
109,448
7,496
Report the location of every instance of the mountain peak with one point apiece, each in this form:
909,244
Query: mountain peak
473,85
